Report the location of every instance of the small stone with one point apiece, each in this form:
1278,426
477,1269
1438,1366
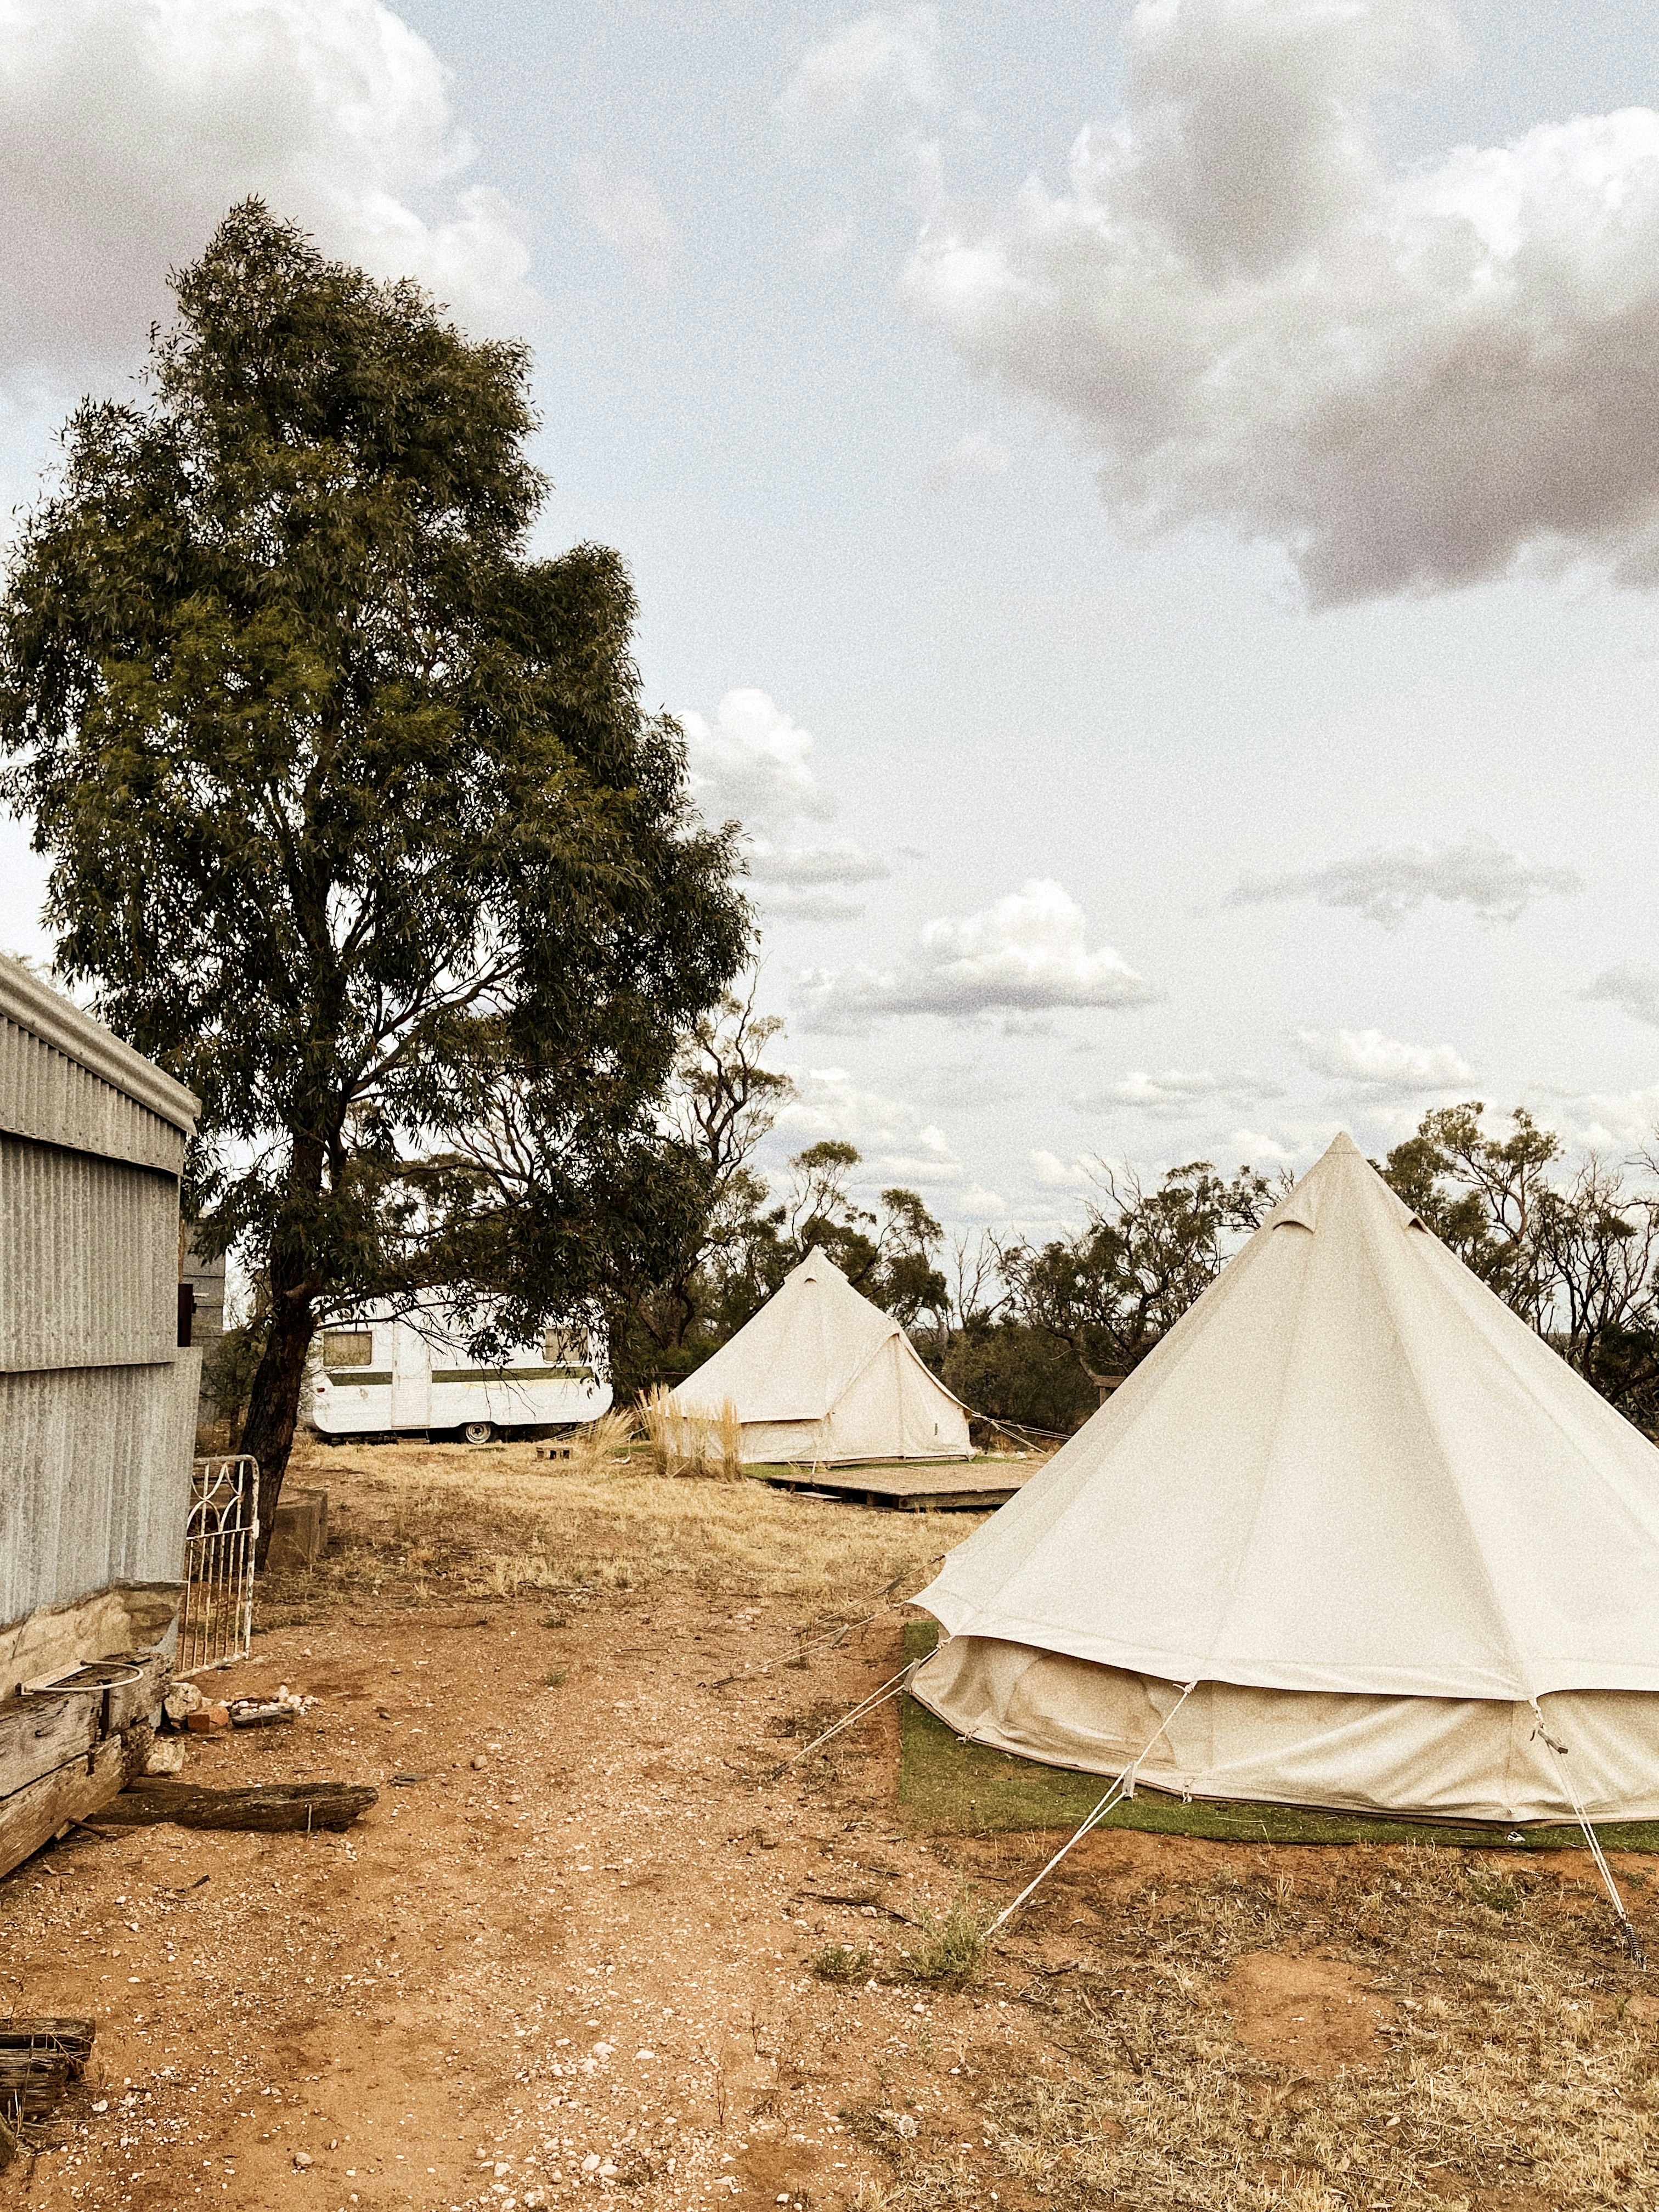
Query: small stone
302,2159
207,1720
182,1699
479,1760
591,2163
165,1755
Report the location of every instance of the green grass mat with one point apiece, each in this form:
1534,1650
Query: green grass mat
949,1787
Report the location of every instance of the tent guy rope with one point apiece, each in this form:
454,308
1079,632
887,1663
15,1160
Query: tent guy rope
1632,1941
1120,1789
889,1689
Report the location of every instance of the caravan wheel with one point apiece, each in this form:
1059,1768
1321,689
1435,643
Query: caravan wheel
477,1432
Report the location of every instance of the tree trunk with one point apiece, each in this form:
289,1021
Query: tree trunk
273,1406
1104,1384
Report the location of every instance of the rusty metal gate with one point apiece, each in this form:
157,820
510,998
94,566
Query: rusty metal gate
216,1624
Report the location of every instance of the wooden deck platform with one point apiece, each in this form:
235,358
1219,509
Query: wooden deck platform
912,1486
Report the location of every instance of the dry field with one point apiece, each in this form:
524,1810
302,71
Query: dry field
597,1942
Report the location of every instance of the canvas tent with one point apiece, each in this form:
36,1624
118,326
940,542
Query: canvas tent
822,1377
1396,1545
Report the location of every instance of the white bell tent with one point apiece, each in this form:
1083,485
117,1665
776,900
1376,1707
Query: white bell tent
1353,1535
821,1377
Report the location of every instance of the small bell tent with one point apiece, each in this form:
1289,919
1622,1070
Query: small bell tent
1352,1536
821,1377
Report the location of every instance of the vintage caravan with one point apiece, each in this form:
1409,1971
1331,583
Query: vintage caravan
395,1373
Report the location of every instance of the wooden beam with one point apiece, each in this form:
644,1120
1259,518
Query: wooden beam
31,1816
41,1731
276,1807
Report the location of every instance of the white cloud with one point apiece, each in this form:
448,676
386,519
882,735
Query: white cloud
629,215
1027,954
882,61
1375,1062
1173,1095
128,127
1408,380
1633,989
974,454
1386,885
782,903
1604,1120
978,1204
753,764
899,1146
801,867
1056,1174
830,1102
1259,1148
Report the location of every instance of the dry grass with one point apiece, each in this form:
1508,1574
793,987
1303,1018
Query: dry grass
728,1443
422,1521
1520,2072
687,1444
953,1944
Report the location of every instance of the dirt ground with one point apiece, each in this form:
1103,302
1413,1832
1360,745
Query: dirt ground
573,1948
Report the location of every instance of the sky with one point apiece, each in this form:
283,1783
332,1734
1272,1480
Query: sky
1149,515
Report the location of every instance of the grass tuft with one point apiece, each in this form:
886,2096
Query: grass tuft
953,1947
836,1963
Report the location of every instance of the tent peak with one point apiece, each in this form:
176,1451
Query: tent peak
1341,1144
817,1263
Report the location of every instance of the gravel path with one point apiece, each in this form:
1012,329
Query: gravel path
571,1953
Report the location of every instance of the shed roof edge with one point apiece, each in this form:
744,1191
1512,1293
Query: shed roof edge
34,1006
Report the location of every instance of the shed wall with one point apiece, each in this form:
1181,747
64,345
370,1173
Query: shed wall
97,1405
96,1466
46,1095
88,1260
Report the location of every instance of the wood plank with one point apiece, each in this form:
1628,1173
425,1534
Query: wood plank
129,1702
33,1815
920,1485
39,1734
41,1731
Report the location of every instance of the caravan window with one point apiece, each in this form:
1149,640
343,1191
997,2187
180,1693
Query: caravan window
348,1347
560,1349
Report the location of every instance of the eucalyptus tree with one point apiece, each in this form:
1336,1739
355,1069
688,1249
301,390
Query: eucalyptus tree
356,819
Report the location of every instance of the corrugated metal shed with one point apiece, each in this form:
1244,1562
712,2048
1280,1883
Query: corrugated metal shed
97,1403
